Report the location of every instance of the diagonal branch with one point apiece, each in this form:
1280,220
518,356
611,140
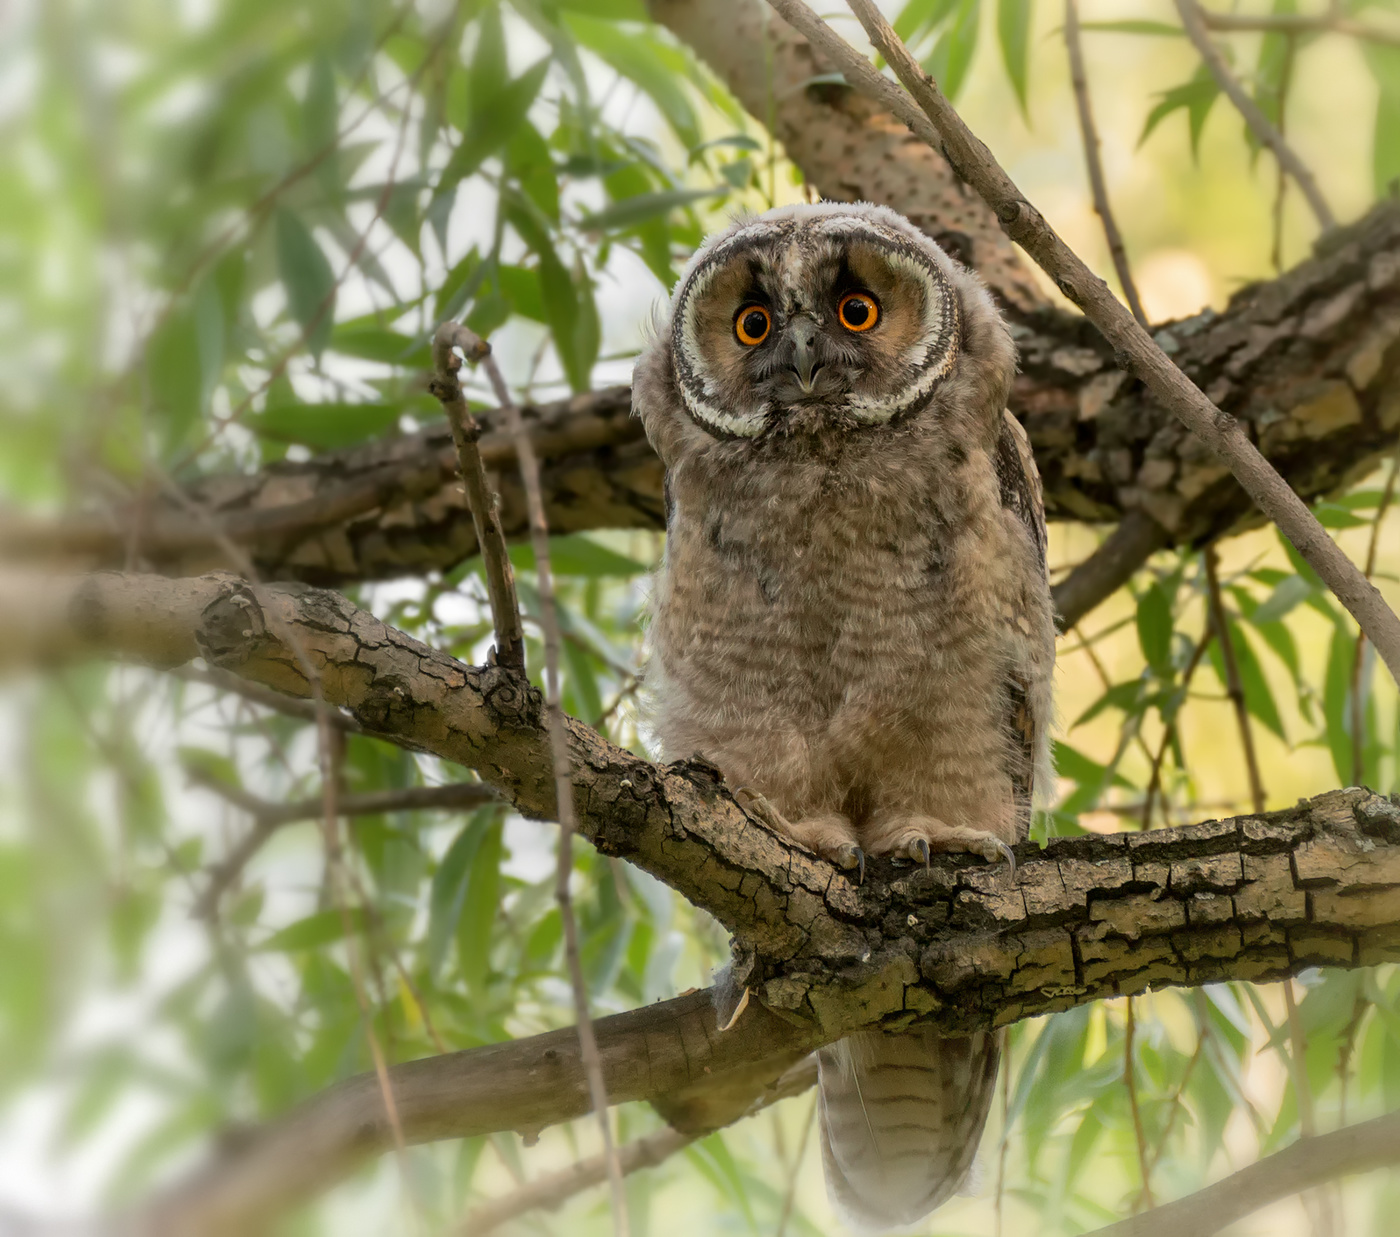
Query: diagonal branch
1307,1163
1194,23
934,120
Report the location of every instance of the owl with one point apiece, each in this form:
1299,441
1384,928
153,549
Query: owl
853,617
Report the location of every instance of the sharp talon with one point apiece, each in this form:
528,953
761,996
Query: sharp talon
860,860
1009,855
921,851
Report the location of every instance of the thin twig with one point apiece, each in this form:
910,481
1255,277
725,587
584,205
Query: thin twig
486,517
1234,686
1358,711
1094,164
790,1193
227,681
1298,24
1193,21
549,1192
1154,783
1175,1104
480,351
933,120
1144,1197
268,817
1002,1144
1281,182
1318,1202
330,741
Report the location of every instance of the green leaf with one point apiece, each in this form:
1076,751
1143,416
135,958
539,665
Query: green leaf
920,15
308,279
315,931
492,125
1334,515
1336,702
644,59
321,123
951,57
634,210
480,907
1133,27
323,427
1125,696
1154,627
1258,696
459,287
1287,594
575,554
1014,34
1384,64
448,892
1197,97
373,343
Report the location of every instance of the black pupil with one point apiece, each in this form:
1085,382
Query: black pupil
755,323
857,310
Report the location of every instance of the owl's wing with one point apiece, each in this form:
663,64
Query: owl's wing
1019,482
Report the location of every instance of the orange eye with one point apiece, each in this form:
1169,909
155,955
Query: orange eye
858,311
751,325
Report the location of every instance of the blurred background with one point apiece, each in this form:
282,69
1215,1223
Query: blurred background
227,229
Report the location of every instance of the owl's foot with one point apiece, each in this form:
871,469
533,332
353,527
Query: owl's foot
832,836
920,837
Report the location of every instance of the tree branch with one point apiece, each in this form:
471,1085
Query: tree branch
1298,24
1309,1162
956,946
935,121
1093,163
1192,20
550,1192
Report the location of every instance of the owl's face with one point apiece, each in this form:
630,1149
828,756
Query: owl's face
811,317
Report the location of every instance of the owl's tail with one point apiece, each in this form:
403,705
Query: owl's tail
901,1119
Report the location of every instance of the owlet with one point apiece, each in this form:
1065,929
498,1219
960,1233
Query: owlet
853,619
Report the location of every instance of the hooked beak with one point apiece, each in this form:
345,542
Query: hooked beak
803,334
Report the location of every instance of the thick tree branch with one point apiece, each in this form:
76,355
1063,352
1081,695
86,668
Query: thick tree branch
1309,1162
959,946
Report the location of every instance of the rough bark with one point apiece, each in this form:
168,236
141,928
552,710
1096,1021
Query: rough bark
1307,362
959,945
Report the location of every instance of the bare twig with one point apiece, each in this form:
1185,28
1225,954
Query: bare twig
1317,1203
1193,21
1094,164
265,696
1298,24
550,1192
1154,783
1234,687
480,351
933,119
268,817
1144,1197
790,1193
1358,710
500,580
1281,178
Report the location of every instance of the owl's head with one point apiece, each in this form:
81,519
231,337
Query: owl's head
827,315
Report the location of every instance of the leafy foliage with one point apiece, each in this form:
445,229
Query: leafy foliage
226,232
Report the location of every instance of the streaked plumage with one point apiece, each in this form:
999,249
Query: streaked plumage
853,618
